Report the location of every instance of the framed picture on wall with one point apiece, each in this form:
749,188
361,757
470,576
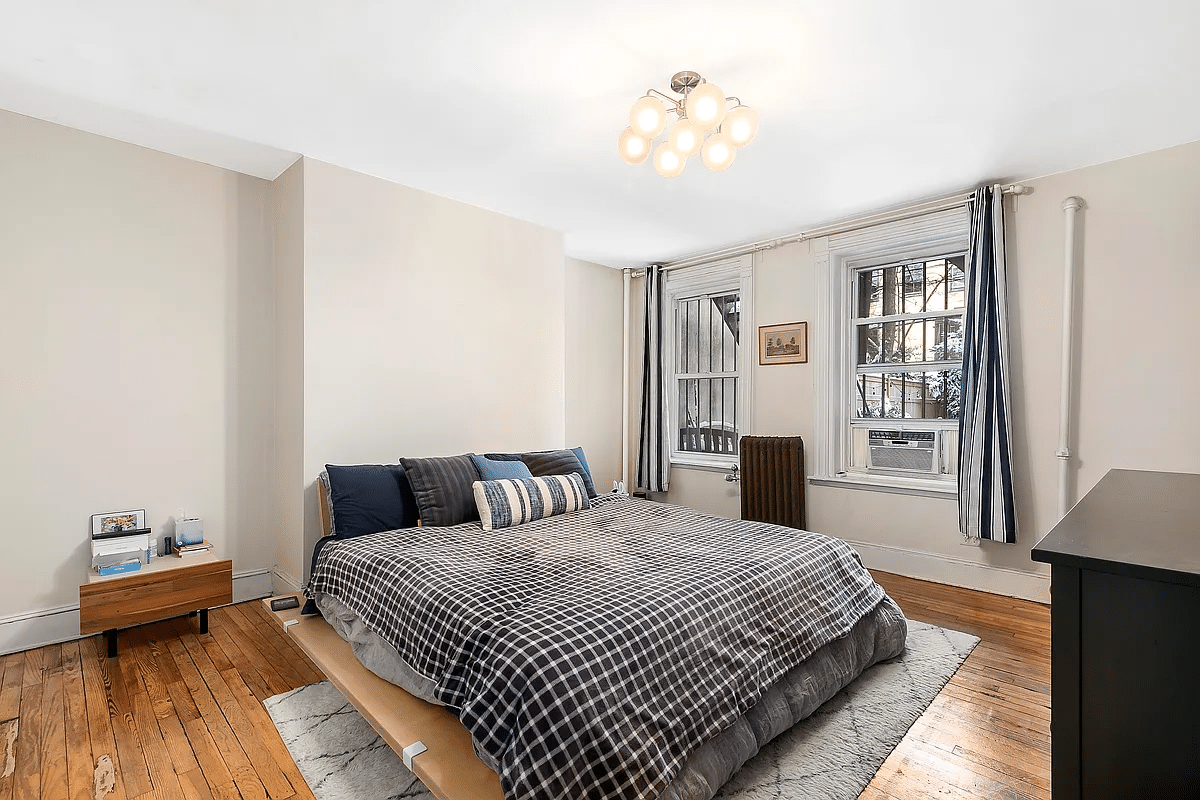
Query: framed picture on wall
786,343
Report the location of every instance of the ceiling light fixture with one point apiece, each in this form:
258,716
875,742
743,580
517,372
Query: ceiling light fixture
705,124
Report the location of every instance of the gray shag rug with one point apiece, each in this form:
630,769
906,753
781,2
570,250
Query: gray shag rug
829,756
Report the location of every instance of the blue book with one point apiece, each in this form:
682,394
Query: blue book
117,569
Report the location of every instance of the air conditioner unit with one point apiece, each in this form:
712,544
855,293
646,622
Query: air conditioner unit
904,451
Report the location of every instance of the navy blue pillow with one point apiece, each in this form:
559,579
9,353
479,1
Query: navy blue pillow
369,498
500,468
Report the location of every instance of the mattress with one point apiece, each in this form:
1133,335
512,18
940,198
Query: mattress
606,653
876,637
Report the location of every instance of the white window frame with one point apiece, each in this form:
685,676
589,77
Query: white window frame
726,275
837,259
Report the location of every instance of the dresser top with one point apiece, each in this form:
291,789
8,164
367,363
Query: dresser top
1141,524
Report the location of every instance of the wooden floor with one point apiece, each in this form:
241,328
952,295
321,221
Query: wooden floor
180,715
988,733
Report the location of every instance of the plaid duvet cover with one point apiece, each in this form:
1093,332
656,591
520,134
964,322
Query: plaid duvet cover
589,654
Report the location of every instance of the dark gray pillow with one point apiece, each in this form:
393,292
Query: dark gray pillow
558,462
443,488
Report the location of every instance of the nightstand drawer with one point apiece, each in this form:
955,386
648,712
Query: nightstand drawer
168,591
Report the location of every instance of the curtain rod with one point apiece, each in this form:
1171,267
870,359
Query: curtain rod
846,226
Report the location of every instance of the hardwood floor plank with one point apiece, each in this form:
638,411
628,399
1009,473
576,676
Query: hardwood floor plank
28,774
170,728
194,785
235,640
268,647
226,743
260,760
131,758
216,774
10,689
257,715
52,752
100,730
158,758
308,670
274,648
80,763
33,667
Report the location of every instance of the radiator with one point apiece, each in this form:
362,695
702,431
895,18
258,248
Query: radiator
772,474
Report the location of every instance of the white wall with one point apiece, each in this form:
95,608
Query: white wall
593,367
287,207
136,366
430,328
1137,370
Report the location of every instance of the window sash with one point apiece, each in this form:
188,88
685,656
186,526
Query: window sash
729,278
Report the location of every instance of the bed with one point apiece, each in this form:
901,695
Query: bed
628,650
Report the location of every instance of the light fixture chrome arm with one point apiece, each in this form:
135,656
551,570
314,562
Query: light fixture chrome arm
676,105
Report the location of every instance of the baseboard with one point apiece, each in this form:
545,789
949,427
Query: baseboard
61,624
282,583
37,628
954,571
252,584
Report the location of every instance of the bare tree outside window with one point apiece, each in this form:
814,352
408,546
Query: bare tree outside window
909,339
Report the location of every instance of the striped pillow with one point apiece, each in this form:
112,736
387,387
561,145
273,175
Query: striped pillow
509,502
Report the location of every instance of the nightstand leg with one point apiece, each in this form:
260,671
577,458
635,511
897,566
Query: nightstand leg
112,643
204,620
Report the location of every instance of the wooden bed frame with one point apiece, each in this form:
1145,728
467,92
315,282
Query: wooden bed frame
431,740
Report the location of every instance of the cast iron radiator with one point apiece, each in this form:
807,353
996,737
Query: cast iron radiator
772,471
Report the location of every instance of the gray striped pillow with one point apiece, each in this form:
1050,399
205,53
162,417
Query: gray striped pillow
512,501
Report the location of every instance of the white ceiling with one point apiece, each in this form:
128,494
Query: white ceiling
516,106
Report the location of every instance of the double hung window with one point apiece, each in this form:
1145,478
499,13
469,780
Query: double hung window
710,347
891,300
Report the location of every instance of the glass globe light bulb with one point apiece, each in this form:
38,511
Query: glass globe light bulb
686,138
667,161
633,148
742,126
718,152
648,117
705,106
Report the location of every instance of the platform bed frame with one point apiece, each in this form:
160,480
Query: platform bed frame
430,740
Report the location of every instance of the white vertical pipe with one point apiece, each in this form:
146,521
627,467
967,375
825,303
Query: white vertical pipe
626,275
1069,207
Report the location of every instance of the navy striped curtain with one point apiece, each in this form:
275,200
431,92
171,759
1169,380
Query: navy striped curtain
654,453
985,476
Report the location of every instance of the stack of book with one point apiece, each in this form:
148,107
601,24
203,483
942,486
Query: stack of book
120,551
185,550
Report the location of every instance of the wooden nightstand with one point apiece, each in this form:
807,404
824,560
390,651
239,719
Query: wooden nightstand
169,586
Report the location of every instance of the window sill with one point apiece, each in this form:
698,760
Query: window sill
923,487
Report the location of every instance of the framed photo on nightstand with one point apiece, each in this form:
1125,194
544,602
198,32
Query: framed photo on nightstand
116,523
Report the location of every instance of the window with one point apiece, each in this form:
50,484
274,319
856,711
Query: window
711,345
908,334
890,319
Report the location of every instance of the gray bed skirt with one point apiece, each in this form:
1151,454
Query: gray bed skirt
878,636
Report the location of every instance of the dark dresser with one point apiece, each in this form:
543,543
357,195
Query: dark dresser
1125,639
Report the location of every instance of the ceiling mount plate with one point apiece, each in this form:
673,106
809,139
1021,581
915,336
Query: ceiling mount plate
684,82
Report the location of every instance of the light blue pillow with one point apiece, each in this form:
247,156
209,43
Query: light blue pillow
588,480
493,470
